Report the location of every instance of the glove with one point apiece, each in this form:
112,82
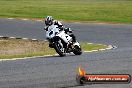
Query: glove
46,28
68,30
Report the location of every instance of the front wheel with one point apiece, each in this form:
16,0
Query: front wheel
77,50
59,49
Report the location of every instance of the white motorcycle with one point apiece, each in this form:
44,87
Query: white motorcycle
62,42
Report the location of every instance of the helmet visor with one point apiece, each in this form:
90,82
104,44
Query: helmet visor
48,22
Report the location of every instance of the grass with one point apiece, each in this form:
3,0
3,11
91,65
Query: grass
88,47
75,10
16,48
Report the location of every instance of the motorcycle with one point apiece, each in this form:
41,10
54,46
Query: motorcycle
62,42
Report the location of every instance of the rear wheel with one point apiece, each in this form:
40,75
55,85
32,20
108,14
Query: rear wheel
59,49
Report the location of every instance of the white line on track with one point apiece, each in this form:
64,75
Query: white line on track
10,18
12,37
34,39
1,36
25,38
25,19
27,57
102,49
94,50
88,51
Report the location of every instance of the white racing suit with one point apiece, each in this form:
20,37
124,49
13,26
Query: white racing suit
61,27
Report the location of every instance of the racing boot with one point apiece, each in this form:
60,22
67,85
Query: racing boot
51,45
73,38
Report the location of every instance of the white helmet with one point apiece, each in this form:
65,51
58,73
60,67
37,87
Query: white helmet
48,20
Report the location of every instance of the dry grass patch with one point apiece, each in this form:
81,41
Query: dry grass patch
18,48
23,48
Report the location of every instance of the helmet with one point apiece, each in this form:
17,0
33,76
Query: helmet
49,20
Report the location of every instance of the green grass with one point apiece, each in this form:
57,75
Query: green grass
75,10
88,47
16,48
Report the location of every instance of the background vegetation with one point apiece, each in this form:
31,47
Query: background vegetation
73,10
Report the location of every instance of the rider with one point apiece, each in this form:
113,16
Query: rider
49,21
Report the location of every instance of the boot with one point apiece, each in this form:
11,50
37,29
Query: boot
51,46
73,38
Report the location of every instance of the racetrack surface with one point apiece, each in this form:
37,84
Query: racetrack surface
60,72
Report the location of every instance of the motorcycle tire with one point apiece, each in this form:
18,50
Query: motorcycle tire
57,49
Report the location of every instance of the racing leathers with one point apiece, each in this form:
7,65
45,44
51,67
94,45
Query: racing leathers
61,27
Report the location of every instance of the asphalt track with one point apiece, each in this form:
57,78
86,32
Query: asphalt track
60,72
